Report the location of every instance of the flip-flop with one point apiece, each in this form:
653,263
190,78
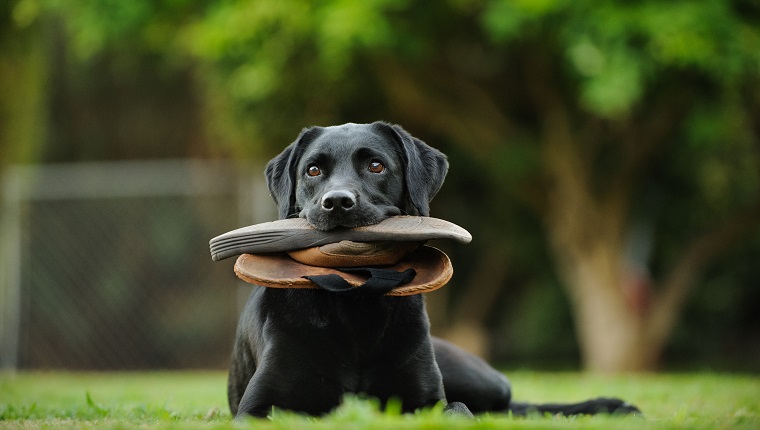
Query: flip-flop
296,233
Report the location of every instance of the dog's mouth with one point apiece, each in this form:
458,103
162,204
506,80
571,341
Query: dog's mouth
326,222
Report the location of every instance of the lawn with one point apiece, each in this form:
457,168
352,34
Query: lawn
198,400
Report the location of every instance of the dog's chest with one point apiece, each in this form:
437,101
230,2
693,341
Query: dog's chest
356,329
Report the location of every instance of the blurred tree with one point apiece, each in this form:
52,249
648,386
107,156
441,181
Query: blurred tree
625,95
601,102
23,78
629,129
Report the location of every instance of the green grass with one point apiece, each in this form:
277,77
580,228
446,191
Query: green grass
198,400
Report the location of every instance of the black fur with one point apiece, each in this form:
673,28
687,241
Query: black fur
303,350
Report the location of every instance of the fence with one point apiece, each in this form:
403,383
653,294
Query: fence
106,265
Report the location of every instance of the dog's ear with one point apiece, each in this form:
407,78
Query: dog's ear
425,168
281,172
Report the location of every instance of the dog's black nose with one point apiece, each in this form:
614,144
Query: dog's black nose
341,199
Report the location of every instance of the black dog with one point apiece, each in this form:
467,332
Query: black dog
302,350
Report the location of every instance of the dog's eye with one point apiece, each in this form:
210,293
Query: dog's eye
376,167
313,170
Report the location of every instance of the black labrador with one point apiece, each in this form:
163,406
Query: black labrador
303,350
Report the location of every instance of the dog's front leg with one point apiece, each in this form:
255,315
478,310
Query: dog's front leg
457,409
289,389
257,400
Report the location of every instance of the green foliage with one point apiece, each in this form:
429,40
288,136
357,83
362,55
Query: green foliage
256,53
619,49
95,25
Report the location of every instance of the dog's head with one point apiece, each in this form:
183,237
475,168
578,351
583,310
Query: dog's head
355,174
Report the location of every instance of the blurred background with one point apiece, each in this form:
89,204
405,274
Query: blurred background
605,157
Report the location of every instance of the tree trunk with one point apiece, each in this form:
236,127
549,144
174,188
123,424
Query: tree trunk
622,322
587,234
612,326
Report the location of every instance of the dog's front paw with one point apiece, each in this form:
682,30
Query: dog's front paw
458,409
